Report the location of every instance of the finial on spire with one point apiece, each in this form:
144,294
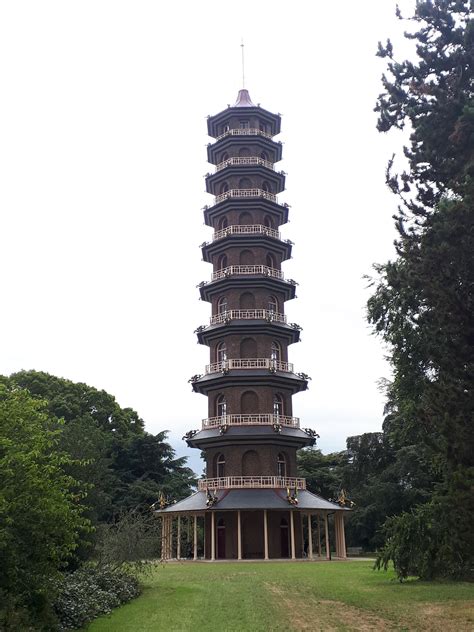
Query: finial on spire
243,63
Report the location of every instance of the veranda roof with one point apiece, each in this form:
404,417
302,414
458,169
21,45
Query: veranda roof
252,499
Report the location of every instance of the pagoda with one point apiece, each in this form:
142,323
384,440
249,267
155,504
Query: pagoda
251,504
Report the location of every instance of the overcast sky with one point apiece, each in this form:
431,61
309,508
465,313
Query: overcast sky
102,156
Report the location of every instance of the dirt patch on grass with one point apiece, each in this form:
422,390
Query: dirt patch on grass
448,616
310,613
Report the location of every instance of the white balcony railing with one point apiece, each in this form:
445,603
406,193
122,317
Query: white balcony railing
249,363
250,131
247,229
248,314
246,193
245,161
251,482
250,420
244,270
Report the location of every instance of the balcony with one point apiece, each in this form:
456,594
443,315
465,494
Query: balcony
249,131
248,270
251,161
248,314
251,482
246,229
249,363
246,193
250,420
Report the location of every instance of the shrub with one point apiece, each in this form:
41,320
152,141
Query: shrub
91,592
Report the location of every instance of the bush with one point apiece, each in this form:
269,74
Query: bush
91,592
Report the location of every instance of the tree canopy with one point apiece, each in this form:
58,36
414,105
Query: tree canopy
41,507
125,466
423,302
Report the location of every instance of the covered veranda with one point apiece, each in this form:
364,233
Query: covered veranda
255,524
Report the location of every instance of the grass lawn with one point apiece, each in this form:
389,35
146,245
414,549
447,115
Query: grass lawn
290,596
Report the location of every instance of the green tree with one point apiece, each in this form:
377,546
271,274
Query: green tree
124,466
41,515
423,304
382,482
323,472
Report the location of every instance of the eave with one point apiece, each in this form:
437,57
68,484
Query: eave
278,211
246,327
274,120
208,290
247,240
260,142
252,377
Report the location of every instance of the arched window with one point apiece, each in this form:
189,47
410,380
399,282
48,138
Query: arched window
247,258
245,183
221,406
222,223
270,260
221,352
222,262
225,128
249,403
245,219
267,220
273,304
244,152
281,465
247,300
275,353
224,157
278,406
251,464
224,187
266,186
222,305
248,348
220,466
263,156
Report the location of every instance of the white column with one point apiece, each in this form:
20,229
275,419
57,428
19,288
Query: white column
319,536
195,537
205,542
170,537
178,544
265,532
213,536
292,530
239,536
310,538
162,537
343,537
326,529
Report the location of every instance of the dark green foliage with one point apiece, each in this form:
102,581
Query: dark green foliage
90,592
125,466
323,472
423,304
434,96
41,511
382,482
58,477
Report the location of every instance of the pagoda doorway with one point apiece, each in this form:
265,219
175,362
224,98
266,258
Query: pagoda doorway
284,539
221,539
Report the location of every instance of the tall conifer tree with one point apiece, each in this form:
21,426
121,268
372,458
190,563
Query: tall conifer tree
423,303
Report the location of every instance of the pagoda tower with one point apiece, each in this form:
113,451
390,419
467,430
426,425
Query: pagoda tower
251,504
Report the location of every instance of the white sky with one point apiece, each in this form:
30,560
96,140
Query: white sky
102,157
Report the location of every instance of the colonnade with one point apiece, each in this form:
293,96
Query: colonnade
172,550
